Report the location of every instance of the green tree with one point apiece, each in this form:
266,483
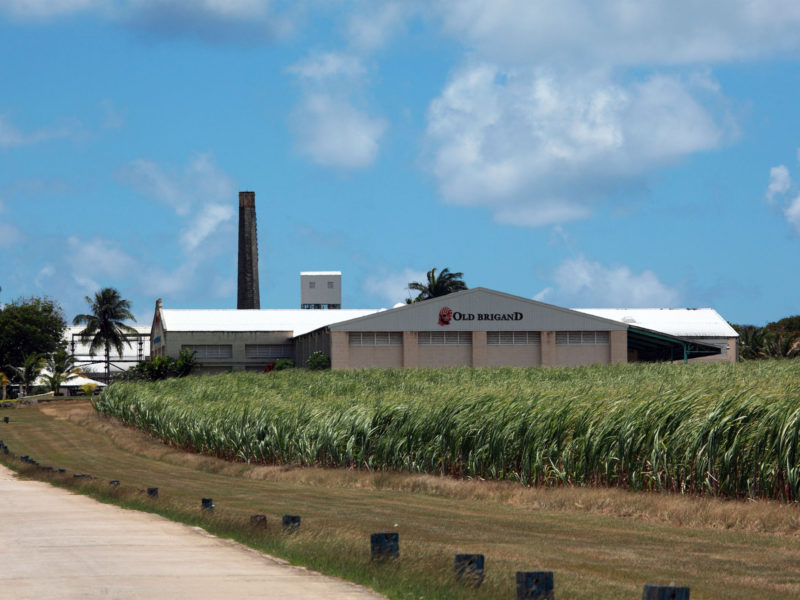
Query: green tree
751,341
60,365
30,325
28,371
105,327
445,283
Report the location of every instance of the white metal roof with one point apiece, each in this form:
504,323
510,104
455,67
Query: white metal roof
681,322
298,321
320,272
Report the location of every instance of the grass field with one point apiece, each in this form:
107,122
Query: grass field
729,430
601,543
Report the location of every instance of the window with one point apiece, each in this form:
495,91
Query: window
445,338
581,338
211,351
513,338
376,338
312,285
330,285
268,351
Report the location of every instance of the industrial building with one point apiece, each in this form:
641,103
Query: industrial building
477,328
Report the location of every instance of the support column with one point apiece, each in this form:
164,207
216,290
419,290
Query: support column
340,350
410,350
549,348
618,341
480,352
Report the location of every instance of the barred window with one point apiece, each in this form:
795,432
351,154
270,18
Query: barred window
211,351
376,338
268,351
581,338
445,338
513,338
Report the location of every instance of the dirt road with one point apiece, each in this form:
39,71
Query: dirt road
56,544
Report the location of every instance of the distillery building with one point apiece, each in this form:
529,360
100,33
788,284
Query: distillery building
476,328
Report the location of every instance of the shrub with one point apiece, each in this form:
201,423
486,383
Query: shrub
162,367
283,363
318,361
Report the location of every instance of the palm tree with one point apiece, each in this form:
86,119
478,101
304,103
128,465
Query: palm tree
104,326
445,283
28,371
61,366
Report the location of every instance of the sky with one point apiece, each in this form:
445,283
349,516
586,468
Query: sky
583,153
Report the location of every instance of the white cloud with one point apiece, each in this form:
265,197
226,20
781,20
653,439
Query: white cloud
583,282
90,260
792,213
328,65
12,137
539,147
46,272
622,32
9,235
779,187
334,133
204,224
372,27
112,117
392,286
182,188
779,182
44,9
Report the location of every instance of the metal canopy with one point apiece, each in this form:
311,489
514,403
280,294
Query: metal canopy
654,346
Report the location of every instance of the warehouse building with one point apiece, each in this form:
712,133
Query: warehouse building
477,327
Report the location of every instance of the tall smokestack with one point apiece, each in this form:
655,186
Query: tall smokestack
248,296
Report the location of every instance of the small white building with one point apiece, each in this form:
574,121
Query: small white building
133,353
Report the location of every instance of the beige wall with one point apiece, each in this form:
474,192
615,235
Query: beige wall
340,350
381,357
618,352
573,356
480,354
514,356
410,350
548,349
445,356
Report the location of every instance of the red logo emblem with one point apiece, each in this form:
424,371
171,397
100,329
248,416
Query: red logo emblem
445,316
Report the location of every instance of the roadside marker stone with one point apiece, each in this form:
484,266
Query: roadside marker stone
535,585
665,592
384,546
258,521
469,569
290,523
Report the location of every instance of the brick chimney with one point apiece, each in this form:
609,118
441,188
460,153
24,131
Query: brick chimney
248,296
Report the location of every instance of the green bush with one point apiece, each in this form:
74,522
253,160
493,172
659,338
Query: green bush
283,363
318,361
161,367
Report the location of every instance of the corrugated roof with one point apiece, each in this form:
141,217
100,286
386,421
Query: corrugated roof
681,322
298,321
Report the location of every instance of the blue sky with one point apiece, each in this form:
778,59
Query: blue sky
584,153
